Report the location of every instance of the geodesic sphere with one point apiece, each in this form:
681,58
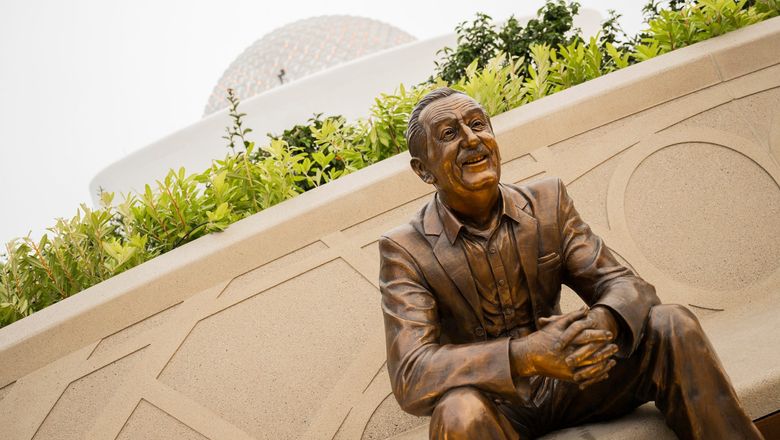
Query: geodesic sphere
299,49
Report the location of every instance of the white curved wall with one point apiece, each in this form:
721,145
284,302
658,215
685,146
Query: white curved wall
348,90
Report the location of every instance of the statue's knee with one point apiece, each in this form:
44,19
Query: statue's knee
462,409
674,319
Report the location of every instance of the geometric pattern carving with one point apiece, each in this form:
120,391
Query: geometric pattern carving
774,134
133,331
6,389
149,423
762,110
83,399
726,117
255,276
389,420
233,362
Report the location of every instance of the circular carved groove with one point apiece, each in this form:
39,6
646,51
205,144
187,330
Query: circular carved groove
774,137
389,420
705,215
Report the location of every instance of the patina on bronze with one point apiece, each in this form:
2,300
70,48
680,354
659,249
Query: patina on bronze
470,295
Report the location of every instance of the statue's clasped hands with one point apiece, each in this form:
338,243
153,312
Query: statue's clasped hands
576,347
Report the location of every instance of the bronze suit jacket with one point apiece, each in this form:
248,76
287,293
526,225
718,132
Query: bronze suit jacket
432,312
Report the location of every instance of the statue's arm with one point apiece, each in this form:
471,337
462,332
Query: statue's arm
421,369
592,271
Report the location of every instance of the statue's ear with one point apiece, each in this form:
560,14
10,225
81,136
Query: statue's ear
422,171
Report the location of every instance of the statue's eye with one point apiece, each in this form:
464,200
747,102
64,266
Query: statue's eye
447,134
477,125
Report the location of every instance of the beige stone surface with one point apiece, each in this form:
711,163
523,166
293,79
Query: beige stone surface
272,329
372,250
761,110
396,215
147,422
705,215
134,331
255,276
517,166
6,389
389,420
270,360
569,300
774,138
82,401
731,117
590,192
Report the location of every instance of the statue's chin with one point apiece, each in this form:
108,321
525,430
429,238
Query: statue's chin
480,181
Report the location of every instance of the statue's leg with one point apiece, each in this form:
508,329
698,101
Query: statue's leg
676,367
466,413
687,381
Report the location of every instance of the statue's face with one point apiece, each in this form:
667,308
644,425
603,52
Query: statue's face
462,152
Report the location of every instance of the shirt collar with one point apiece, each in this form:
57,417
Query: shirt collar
452,225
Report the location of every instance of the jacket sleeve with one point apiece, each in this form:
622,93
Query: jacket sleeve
593,272
421,369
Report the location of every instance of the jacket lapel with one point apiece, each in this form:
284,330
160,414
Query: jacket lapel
452,258
527,240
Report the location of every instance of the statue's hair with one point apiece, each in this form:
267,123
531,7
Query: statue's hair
415,132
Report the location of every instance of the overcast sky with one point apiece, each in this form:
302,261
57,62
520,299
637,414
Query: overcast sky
83,83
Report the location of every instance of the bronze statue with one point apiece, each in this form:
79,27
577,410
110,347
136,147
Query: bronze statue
470,295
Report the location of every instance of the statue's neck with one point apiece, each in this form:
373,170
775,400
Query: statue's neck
479,210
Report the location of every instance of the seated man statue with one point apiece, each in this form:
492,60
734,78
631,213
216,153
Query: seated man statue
470,294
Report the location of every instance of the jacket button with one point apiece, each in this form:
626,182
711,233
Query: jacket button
479,331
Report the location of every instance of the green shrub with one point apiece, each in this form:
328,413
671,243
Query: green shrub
671,29
480,41
317,164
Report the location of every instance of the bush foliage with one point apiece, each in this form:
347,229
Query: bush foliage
501,68
481,40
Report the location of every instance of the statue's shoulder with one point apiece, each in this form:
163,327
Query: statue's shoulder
538,192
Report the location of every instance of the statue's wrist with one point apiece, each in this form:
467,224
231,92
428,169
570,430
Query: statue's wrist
520,360
608,318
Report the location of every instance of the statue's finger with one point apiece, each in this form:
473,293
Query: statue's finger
600,355
595,335
568,318
590,382
583,352
573,330
584,374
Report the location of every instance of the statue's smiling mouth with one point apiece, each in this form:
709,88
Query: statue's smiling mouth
475,160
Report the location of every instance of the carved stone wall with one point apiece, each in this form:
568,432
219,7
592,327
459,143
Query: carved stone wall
272,329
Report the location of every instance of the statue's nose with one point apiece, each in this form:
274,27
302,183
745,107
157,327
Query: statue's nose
470,140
